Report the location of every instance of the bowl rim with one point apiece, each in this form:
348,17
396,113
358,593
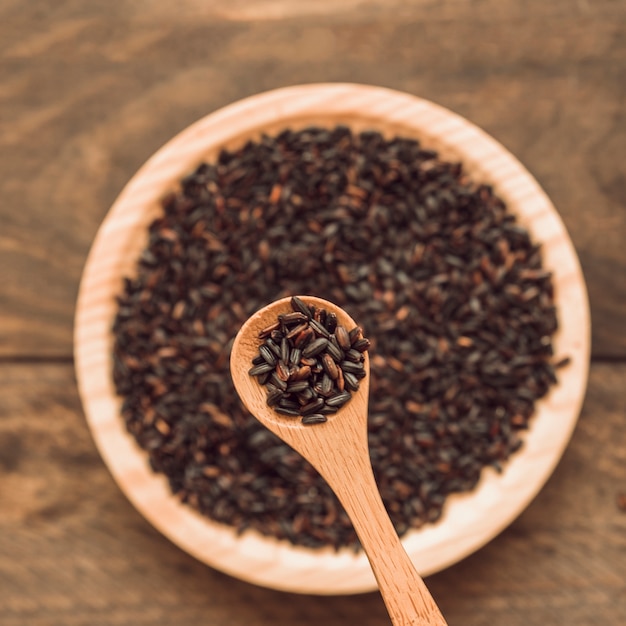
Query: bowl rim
470,520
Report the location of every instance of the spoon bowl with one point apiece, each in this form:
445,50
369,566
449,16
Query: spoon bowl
349,421
338,449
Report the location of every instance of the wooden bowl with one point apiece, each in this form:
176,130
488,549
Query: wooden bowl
470,520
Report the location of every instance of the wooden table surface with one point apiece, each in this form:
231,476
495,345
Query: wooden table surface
89,90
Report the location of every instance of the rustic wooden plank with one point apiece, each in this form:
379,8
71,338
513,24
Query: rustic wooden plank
253,10
545,79
74,552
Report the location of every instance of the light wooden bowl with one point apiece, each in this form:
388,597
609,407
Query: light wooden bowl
469,520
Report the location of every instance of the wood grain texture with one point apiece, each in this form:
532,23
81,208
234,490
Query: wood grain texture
89,90
546,79
73,551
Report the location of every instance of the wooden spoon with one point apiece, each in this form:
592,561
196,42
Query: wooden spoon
338,449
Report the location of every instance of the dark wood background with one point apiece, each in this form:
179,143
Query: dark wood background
90,89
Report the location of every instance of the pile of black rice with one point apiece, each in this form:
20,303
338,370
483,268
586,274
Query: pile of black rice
449,288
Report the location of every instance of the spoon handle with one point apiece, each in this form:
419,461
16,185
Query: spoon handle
407,598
